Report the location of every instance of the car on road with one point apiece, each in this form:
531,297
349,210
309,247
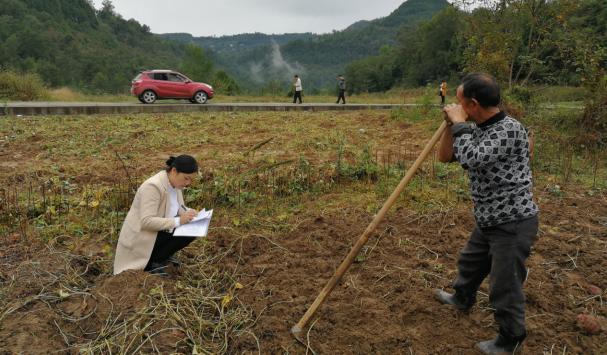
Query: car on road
151,85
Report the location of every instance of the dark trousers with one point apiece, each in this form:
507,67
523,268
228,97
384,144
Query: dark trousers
342,96
166,245
500,252
442,99
297,96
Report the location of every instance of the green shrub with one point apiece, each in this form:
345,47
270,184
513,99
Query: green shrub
516,101
520,94
224,84
24,87
594,118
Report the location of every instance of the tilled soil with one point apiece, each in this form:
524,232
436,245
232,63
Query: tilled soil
384,304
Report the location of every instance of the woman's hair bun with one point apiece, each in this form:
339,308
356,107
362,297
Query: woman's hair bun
171,161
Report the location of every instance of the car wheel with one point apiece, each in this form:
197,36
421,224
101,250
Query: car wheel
148,97
140,98
200,97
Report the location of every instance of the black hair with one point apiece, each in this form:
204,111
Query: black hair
483,88
297,76
183,164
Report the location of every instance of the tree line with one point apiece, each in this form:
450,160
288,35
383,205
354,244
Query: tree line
70,43
521,42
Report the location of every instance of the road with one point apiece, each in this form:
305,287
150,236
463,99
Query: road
91,108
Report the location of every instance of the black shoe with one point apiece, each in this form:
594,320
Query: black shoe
173,260
448,298
499,346
158,269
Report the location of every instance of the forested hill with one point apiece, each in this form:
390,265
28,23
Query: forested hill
257,60
68,42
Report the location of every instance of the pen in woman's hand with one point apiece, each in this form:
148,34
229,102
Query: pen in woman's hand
187,216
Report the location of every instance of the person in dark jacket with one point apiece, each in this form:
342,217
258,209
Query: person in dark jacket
341,82
495,152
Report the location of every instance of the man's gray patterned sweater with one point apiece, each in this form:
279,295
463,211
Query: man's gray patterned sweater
496,155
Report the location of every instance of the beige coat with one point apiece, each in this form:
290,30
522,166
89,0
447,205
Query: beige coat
148,215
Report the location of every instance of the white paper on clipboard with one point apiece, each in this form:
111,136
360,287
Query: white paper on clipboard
198,227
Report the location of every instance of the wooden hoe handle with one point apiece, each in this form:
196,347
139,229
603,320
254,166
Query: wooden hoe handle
362,240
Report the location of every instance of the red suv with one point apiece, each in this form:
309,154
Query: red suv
152,85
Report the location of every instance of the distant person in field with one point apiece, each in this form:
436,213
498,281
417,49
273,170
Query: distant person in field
495,152
341,82
146,239
298,88
442,91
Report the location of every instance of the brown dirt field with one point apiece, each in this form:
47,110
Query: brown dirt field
383,305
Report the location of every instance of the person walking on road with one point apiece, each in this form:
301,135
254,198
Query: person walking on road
496,154
442,91
341,82
298,89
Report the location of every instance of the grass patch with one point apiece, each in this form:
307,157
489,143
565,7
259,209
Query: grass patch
66,94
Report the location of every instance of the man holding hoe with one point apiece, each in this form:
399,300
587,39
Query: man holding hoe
496,154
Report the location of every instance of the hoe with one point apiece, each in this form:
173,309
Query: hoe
362,240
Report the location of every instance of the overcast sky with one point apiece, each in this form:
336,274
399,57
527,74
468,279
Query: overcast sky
225,17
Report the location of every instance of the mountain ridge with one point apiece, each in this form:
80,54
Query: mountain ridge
316,57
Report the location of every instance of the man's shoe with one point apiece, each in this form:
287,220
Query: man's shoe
448,298
498,346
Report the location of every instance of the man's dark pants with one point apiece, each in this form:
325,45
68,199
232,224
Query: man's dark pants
166,245
297,96
342,96
500,252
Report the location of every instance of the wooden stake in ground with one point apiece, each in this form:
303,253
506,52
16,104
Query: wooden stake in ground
362,240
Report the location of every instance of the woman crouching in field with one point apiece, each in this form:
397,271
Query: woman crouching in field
146,239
